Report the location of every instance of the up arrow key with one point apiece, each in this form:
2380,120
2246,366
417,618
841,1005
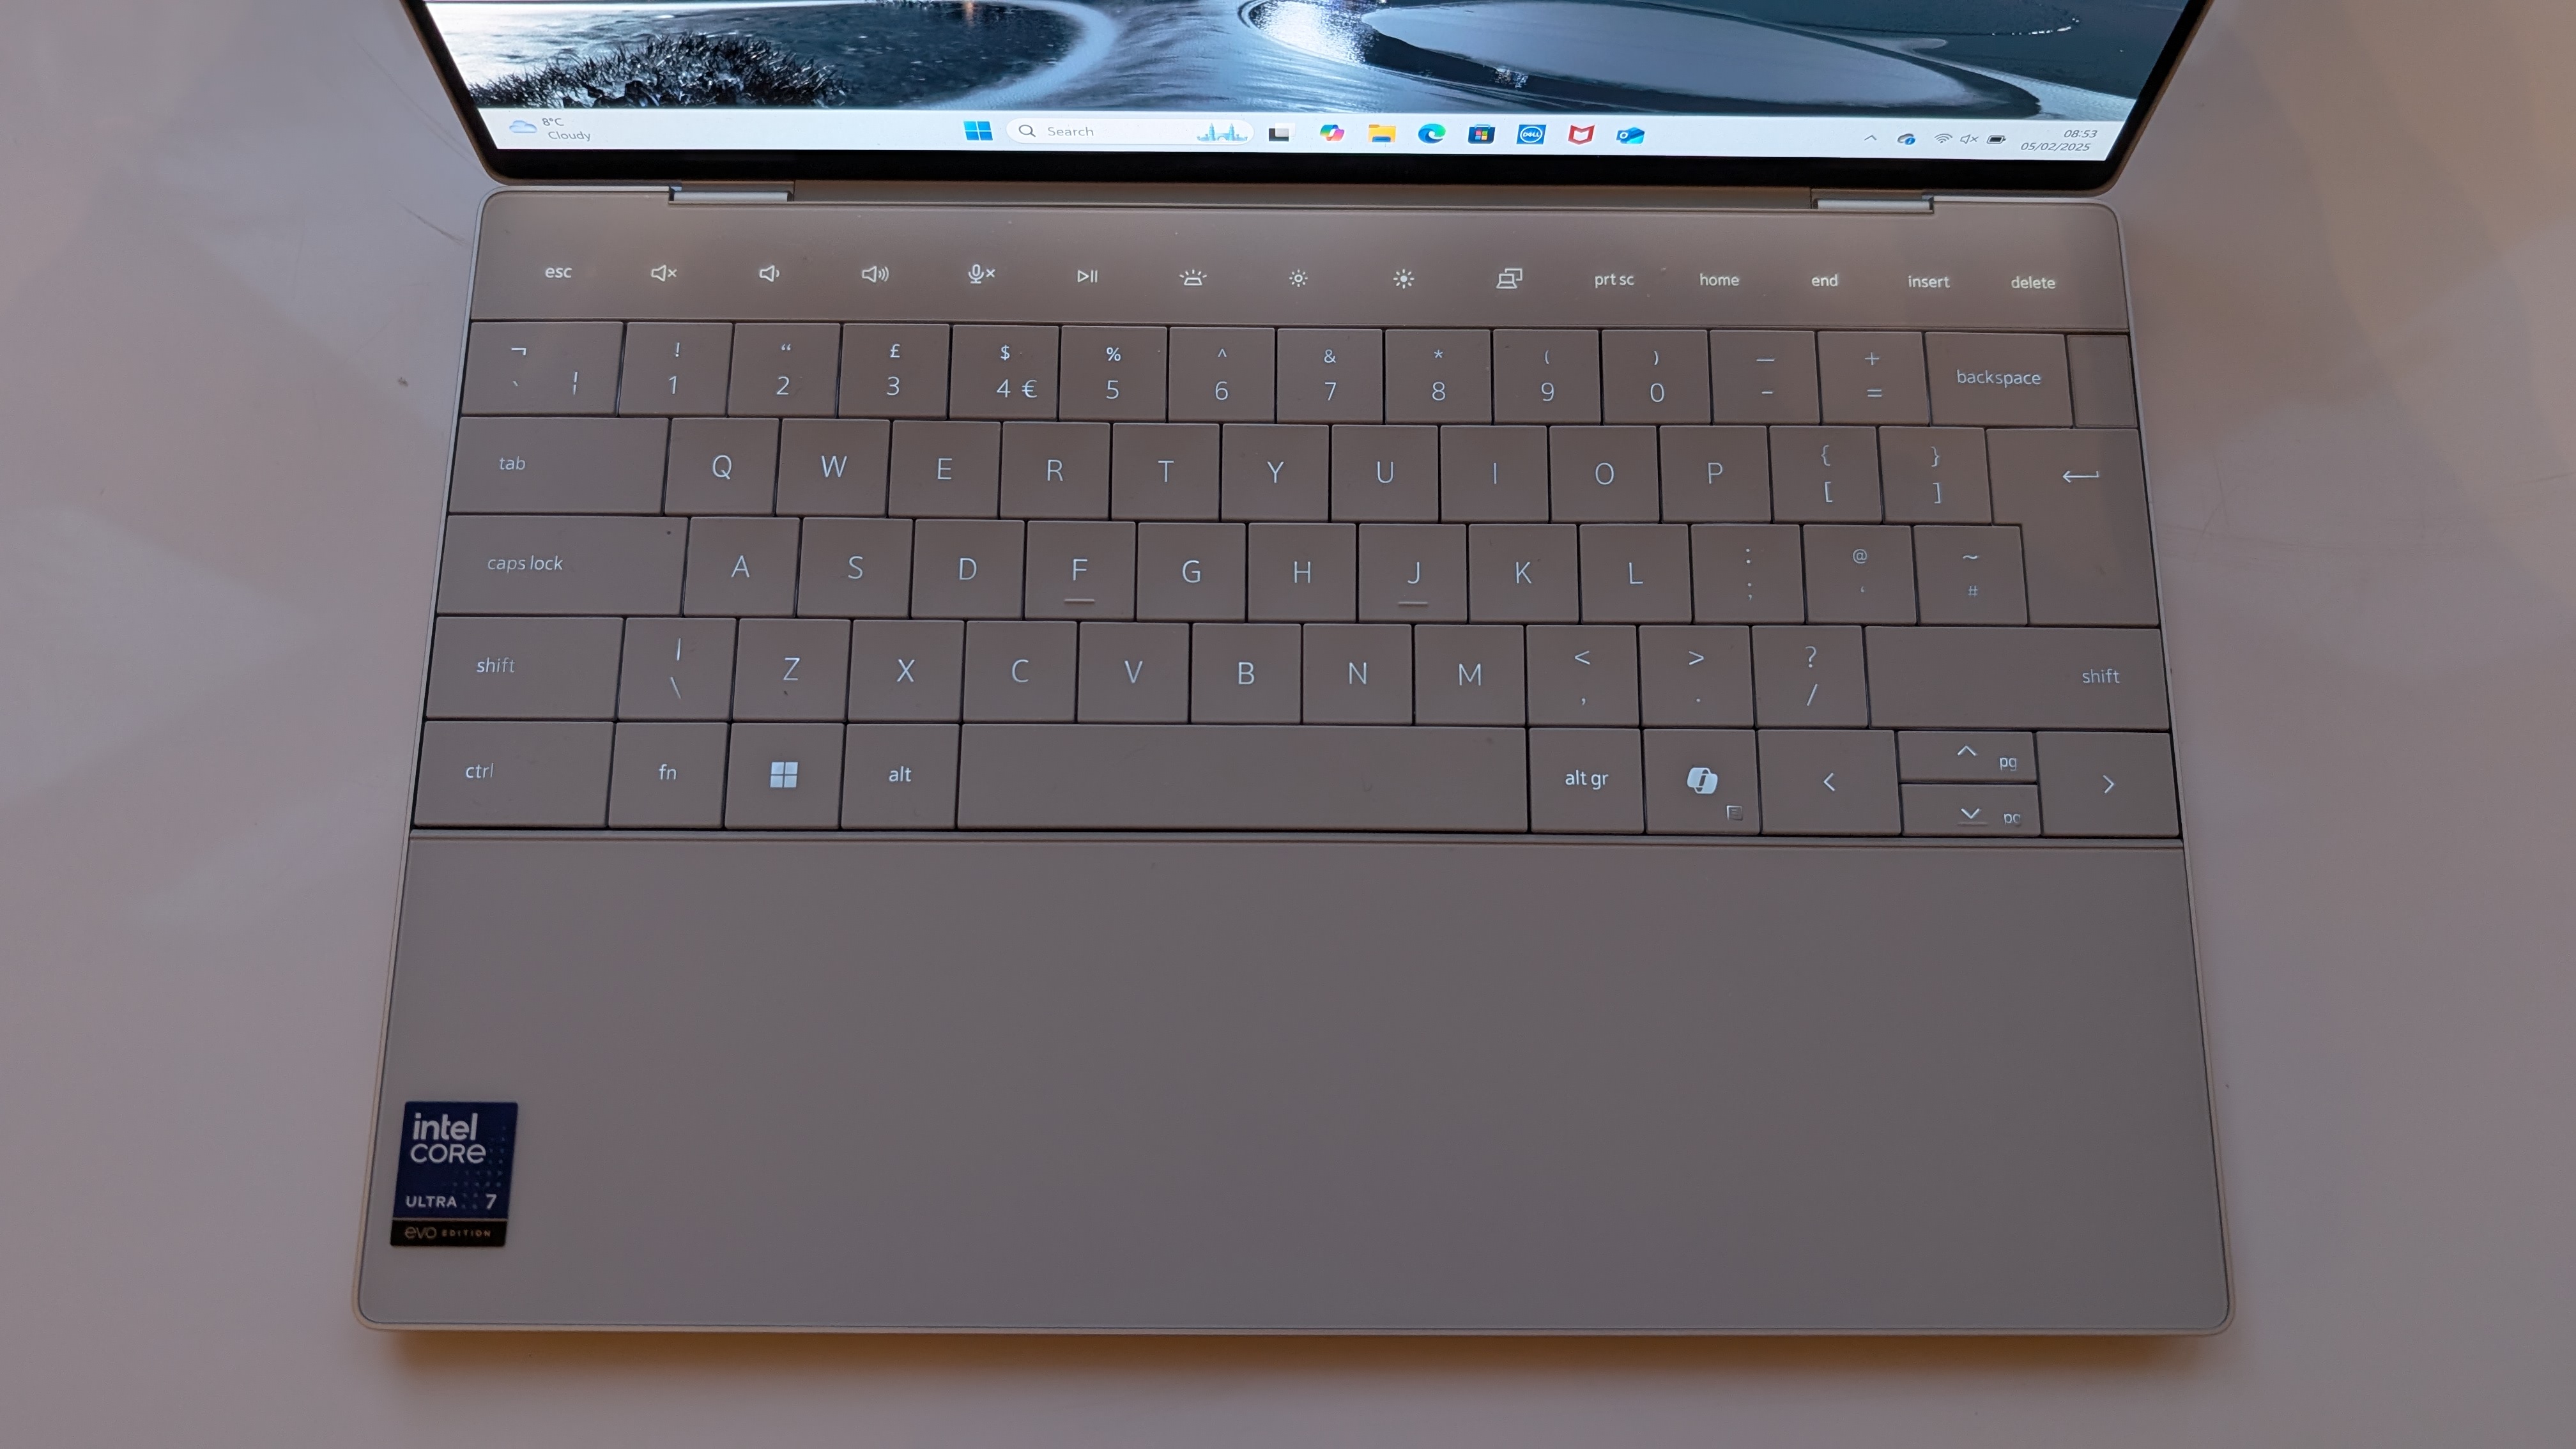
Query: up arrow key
1968,750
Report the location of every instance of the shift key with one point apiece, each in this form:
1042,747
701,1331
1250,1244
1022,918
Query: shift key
2016,679
540,564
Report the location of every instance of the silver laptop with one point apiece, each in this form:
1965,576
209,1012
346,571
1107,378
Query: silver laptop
1446,666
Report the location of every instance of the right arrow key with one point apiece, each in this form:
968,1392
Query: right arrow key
2105,783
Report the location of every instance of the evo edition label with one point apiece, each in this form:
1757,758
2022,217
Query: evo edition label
452,1189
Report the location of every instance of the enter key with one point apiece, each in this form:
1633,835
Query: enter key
2080,496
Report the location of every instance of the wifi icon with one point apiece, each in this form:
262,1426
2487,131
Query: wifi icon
1944,136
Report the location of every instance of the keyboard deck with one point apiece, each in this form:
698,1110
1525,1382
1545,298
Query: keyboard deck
818,573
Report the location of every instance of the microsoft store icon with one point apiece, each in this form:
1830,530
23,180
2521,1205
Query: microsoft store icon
979,130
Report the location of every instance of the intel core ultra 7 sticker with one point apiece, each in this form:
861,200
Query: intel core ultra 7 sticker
453,1186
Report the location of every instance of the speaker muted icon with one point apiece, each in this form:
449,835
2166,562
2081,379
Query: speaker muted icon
1702,780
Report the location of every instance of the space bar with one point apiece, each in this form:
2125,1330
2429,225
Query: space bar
1241,777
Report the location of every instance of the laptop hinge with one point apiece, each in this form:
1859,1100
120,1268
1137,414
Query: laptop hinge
1873,201
703,195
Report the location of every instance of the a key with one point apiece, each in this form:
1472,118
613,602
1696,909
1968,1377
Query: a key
1603,475
2108,784
945,470
1020,670
675,367
1163,470
1386,473
1550,376
2066,679
1969,575
1189,571
894,370
740,566
1439,376
667,776
1809,676
1999,379
521,773
833,466
1747,573
855,568
1695,675
722,465
1586,782
1240,777
1494,474
966,568
1971,810
2080,497
1716,474
899,777
1762,377
1829,782
1934,475
784,777
785,369
1301,572
553,564
558,465
1702,782
1469,674
1413,573
1112,374
1824,475
1001,372
541,367
1636,573
906,669
1055,470
1244,673
1132,674
791,668
1523,573
1358,674
1654,377
1582,674
1871,377
1331,375
1966,757
1860,573
486,668
676,669
1222,375
1084,570
1275,472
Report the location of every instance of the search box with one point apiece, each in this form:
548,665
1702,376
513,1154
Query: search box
1128,131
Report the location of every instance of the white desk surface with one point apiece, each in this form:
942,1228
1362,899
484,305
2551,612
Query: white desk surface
233,252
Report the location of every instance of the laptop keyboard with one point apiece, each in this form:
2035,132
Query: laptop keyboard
764,575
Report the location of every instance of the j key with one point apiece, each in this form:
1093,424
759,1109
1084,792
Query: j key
1603,475
1468,674
1331,375
1189,571
1636,573
1439,376
1810,677
1112,374
1001,372
1747,573
676,669
1386,473
1240,777
785,369
1654,377
1132,674
523,669
1829,782
1871,377
1586,782
1969,575
1934,475
1582,674
1055,470
1222,374
1962,757
832,466
1860,573
1999,379
2067,679
722,465
858,568
675,367
1275,472
1824,475
1547,376
894,370
740,566
1716,475
1523,573
541,367
1413,573
558,465
791,669
2081,499
1358,674
906,669
1695,674
1970,810
1762,377
524,773
551,564
1702,782
1495,474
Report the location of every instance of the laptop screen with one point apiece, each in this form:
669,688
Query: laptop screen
2038,92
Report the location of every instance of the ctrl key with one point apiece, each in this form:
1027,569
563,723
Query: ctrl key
528,774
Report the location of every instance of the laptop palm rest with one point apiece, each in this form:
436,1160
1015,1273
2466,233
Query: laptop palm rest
1259,1084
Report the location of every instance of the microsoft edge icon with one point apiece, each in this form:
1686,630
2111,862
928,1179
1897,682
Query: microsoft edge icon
1530,136
1433,133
